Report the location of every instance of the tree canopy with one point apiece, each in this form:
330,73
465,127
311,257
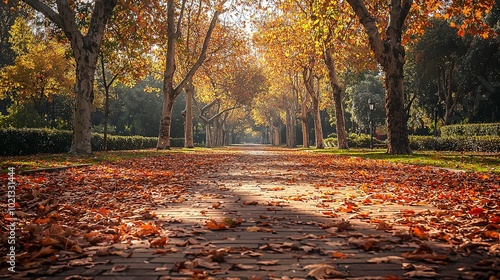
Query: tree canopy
281,62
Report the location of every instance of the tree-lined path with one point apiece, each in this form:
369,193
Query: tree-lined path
252,212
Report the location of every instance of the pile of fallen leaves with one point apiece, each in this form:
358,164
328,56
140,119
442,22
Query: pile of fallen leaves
69,216
59,214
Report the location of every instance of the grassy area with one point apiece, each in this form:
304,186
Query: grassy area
30,162
468,161
480,162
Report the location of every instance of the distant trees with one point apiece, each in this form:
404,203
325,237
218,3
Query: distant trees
40,80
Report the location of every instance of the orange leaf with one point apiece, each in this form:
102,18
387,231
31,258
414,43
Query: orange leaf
103,211
160,241
476,211
420,233
212,224
491,234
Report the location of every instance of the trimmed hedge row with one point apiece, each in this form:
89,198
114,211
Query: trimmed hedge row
457,143
480,129
27,141
353,141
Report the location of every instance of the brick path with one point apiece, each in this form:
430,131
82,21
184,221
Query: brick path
282,230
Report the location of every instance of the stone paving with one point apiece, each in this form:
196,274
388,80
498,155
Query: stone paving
279,233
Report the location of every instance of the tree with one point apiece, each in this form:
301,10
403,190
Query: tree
171,91
227,81
369,87
343,43
288,47
85,51
436,56
386,42
125,55
9,12
40,74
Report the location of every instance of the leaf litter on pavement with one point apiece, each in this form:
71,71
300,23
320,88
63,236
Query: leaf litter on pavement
428,217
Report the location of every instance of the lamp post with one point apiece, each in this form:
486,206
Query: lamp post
436,112
371,105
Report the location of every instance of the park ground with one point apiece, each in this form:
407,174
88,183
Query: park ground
253,212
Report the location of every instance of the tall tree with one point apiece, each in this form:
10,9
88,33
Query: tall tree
125,52
170,90
85,49
384,23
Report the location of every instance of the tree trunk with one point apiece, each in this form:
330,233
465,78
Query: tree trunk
445,91
318,129
215,132
291,117
166,122
85,50
397,119
82,119
304,120
337,100
188,128
291,125
276,139
309,83
390,54
208,135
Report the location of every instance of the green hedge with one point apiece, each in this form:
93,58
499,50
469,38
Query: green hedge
457,143
353,141
27,141
481,129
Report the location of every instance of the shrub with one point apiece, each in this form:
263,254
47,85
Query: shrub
176,142
457,143
481,129
353,141
43,140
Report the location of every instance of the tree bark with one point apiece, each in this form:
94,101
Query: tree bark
291,117
309,83
291,124
276,135
445,91
188,128
337,100
85,50
304,120
390,54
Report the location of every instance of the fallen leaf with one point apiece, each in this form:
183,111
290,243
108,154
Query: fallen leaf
242,266
425,274
271,262
159,241
206,262
119,268
388,259
323,271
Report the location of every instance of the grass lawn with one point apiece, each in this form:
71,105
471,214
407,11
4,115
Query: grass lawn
30,162
467,161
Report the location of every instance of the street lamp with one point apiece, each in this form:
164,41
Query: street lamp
371,104
436,112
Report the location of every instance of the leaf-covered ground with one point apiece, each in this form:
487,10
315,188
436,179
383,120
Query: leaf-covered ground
243,213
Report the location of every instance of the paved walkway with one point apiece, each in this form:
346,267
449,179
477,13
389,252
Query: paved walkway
270,215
